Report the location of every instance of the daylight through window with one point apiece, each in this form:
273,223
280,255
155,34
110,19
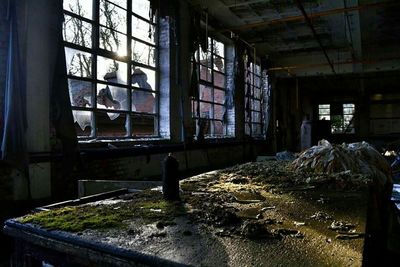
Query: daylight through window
256,88
112,67
209,112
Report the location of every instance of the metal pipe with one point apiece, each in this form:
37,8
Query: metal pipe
304,66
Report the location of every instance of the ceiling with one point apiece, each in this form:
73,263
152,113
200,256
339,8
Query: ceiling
333,32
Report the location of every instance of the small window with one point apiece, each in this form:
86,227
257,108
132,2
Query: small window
209,112
341,120
112,66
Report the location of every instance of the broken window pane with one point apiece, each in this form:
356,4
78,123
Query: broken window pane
112,97
144,78
205,58
143,30
111,70
83,122
112,16
143,53
143,125
82,8
206,93
143,101
219,64
79,63
80,93
113,41
77,31
110,124
142,8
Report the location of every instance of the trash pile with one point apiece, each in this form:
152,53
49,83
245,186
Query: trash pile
354,158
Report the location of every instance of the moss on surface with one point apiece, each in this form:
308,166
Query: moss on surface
149,207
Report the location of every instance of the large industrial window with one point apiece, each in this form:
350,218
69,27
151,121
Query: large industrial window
340,115
254,100
111,55
209,111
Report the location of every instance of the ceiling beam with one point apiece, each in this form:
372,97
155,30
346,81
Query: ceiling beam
316,36
346,62
314,15
248,3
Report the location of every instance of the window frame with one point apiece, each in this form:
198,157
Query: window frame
95,52
252,73
343,128
210,83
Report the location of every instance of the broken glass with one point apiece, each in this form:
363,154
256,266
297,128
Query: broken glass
111,70
80,93
219,64
79,63
143,125
112,97
83,122
110,124
143,101
144,78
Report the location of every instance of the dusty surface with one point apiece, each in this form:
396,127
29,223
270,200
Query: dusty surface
256,214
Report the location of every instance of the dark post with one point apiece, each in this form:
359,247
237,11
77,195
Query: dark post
170,178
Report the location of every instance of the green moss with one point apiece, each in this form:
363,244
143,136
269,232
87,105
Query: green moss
150,208
75,219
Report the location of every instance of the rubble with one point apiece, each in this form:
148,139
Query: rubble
343,160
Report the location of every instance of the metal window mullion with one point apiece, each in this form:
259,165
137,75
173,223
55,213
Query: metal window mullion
212,90
129,116
95,46
157,70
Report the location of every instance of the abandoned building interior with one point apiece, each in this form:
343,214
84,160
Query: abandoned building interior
200,133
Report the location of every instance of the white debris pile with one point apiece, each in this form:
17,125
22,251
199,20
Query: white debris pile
357,158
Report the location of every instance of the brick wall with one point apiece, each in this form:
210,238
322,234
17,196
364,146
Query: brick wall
3,56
